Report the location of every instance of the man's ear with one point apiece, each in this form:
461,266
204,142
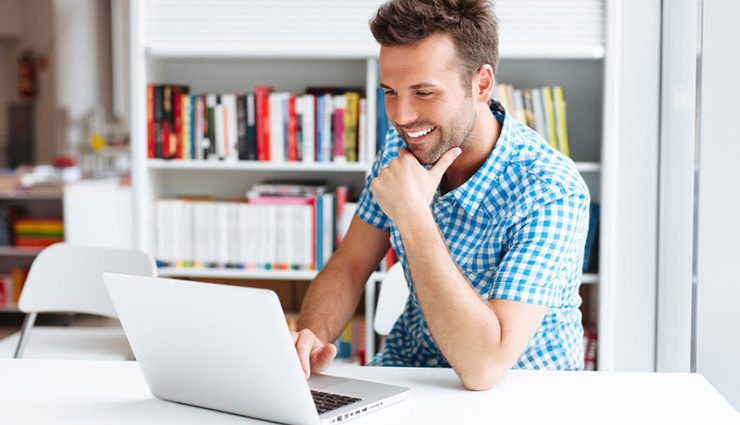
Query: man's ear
483,83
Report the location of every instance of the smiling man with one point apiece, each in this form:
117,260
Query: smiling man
487,219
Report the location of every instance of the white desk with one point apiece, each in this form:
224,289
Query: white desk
93,392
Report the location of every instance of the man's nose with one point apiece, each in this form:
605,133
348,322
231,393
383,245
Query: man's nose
405,113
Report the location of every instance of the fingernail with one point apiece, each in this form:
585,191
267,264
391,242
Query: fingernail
458,151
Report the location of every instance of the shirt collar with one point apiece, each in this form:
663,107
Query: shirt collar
470,194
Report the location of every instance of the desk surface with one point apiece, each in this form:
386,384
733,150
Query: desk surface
114,392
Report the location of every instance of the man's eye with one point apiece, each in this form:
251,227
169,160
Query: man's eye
389,92
423,93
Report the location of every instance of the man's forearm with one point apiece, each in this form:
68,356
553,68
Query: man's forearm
331,300
464,327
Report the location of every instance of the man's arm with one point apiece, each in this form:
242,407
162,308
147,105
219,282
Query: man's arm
481,340
334,294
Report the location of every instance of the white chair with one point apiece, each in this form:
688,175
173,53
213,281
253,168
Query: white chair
68,279
391,300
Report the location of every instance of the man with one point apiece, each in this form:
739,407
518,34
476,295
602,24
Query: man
488,220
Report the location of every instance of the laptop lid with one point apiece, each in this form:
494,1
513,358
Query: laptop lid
221,347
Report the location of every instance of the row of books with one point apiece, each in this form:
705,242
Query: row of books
277,227
20,231
38,233
542,109
11,286
323,125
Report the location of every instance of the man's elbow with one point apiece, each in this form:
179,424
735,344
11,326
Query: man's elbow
482,378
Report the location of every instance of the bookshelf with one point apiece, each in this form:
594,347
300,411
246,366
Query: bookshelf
224,46
30,204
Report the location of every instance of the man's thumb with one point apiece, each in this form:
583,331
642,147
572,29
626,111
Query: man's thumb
444,162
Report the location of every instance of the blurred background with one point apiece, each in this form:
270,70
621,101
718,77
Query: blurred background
171,127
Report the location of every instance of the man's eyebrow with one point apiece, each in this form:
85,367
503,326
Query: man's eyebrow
416,86
422,86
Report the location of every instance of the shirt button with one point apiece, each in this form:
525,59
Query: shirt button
433,362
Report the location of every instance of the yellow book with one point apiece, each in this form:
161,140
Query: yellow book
550,117
503,96
562,129
352,100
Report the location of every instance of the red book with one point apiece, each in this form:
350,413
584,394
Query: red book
38,242
150,120
177,93
341,197
339,105
261,93
177,98
292,130
168,122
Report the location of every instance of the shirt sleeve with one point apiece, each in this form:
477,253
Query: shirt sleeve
367,208
545,253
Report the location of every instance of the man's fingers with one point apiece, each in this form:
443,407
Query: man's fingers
303,347
444,162
323,358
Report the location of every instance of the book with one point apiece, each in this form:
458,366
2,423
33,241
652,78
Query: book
351,106
262,114
561,121
550,117
338,130
251,143
590,258
383,124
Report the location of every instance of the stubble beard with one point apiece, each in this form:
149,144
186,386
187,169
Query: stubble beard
454,134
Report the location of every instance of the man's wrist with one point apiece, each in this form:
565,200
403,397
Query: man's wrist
412,218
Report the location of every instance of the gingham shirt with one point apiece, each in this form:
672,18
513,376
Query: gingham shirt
517,230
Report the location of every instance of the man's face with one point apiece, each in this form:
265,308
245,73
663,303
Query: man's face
424,97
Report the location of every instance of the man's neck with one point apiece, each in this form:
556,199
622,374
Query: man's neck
474,152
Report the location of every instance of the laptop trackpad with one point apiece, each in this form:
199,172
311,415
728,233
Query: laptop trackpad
317,382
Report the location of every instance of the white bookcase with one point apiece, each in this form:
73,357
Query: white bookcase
227,46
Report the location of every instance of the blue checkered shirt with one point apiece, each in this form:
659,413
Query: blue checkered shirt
517,230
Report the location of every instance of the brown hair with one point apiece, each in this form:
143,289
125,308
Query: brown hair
471,24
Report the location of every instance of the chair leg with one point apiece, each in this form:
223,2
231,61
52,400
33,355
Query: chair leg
25,331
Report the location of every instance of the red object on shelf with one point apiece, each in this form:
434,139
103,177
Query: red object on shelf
64,161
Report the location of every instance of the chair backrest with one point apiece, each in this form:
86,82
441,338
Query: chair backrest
391,300
69,278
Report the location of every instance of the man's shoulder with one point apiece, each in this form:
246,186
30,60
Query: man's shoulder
536,174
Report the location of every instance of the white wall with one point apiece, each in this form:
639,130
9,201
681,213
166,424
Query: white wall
718,268
83,43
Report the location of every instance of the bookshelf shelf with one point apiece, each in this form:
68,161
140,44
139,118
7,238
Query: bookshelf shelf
31,196
161,164
15,251
9,308
304,275
588,167
589,278
293,51
551,52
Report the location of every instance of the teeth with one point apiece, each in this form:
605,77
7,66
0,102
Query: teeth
421,133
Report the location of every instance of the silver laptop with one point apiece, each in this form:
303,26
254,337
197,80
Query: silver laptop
228,348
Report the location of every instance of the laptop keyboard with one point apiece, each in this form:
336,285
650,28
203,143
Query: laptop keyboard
326,402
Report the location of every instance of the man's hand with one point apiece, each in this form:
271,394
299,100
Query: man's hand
405,187
315,355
